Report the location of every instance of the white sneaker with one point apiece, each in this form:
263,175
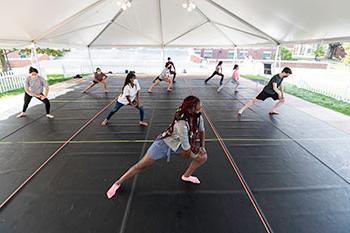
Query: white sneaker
22,114
49,116
219,89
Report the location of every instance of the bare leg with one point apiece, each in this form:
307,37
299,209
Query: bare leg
144,163
141,165
170,85
156,83
88,88
279,103
195,164
104,82
247,105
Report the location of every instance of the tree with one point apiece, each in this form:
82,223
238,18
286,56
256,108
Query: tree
3,60
346,59
47,51
286,54
27,52
332,49
319,53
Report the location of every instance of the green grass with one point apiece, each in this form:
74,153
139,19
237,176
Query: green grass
319,99
11,93
56,78
51,79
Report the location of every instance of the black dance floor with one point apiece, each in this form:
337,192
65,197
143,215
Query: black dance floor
288,173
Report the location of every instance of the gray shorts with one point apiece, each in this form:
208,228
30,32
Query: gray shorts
159,150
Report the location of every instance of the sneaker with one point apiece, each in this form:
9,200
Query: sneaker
219,89
104,122
112,190
142,123
49,116
191,179
22,114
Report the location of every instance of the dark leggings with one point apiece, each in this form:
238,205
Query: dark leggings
28,98
216,73
174,73
119,105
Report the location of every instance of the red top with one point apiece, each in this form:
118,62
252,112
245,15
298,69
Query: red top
99,77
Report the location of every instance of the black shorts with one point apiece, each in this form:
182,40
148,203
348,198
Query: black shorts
158,78
95,82
264,95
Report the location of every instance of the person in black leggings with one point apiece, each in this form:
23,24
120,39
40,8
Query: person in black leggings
172,68
35,86
218,71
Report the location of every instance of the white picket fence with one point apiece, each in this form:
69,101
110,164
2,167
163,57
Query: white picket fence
337,89
11,81
338,92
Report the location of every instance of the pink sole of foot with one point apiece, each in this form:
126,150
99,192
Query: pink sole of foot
191,179
111,192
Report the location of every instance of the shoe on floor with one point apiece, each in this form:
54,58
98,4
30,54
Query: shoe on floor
22,114
104,122
49,116
112,190
191,179
142,123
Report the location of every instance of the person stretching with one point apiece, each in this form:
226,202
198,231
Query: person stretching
130,96
180,138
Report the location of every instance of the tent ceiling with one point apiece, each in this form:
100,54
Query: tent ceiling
164,23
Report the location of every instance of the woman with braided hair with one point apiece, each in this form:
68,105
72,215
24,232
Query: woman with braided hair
179,138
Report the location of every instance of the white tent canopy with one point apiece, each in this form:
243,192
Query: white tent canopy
165,23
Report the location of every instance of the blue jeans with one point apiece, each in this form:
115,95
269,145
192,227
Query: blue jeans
119,105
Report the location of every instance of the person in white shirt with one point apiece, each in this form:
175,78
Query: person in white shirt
180,138
130,96
164,76
218,71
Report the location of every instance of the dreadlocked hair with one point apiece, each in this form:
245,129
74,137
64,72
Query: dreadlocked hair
183,113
